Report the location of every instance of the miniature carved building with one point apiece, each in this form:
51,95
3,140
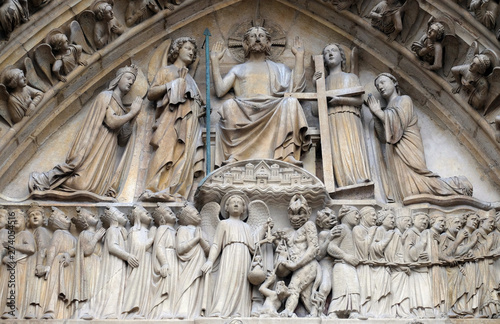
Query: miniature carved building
234,160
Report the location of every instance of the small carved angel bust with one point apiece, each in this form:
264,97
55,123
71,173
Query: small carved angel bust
486,12
17,99
429,48
139,10
386,17
106,24
67,56
12,14
471,78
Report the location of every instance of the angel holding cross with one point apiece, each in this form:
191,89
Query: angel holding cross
350,160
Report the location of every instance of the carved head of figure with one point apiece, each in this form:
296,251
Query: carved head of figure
480,64
349,215
386,218
420,221
19,220
124,79
164,215
435,32
84,219
282,290
235,206
13,79
59,42
103,10
36,216
472,220
58,220
404,222
438,221
4,215
140,216
386,84
333,55
257,40
368,216
189,215
454,224
326,219
183,48
488,221
113,215
298,211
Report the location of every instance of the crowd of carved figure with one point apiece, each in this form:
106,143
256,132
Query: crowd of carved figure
356,263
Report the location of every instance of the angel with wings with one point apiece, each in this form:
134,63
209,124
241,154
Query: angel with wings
437,49
486,12
139,10
105,27
12,14
17,99
234,243
57,57
387,16
429,47
478,80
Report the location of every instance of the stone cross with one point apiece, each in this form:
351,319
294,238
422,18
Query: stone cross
321,96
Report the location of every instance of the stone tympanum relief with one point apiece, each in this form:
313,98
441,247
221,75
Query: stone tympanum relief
274,231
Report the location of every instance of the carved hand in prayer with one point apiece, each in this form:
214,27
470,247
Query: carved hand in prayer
298,46
207,267
133,261
217,51
373,103
462,235
99,234
136,106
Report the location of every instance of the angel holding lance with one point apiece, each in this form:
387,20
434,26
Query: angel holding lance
234,242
